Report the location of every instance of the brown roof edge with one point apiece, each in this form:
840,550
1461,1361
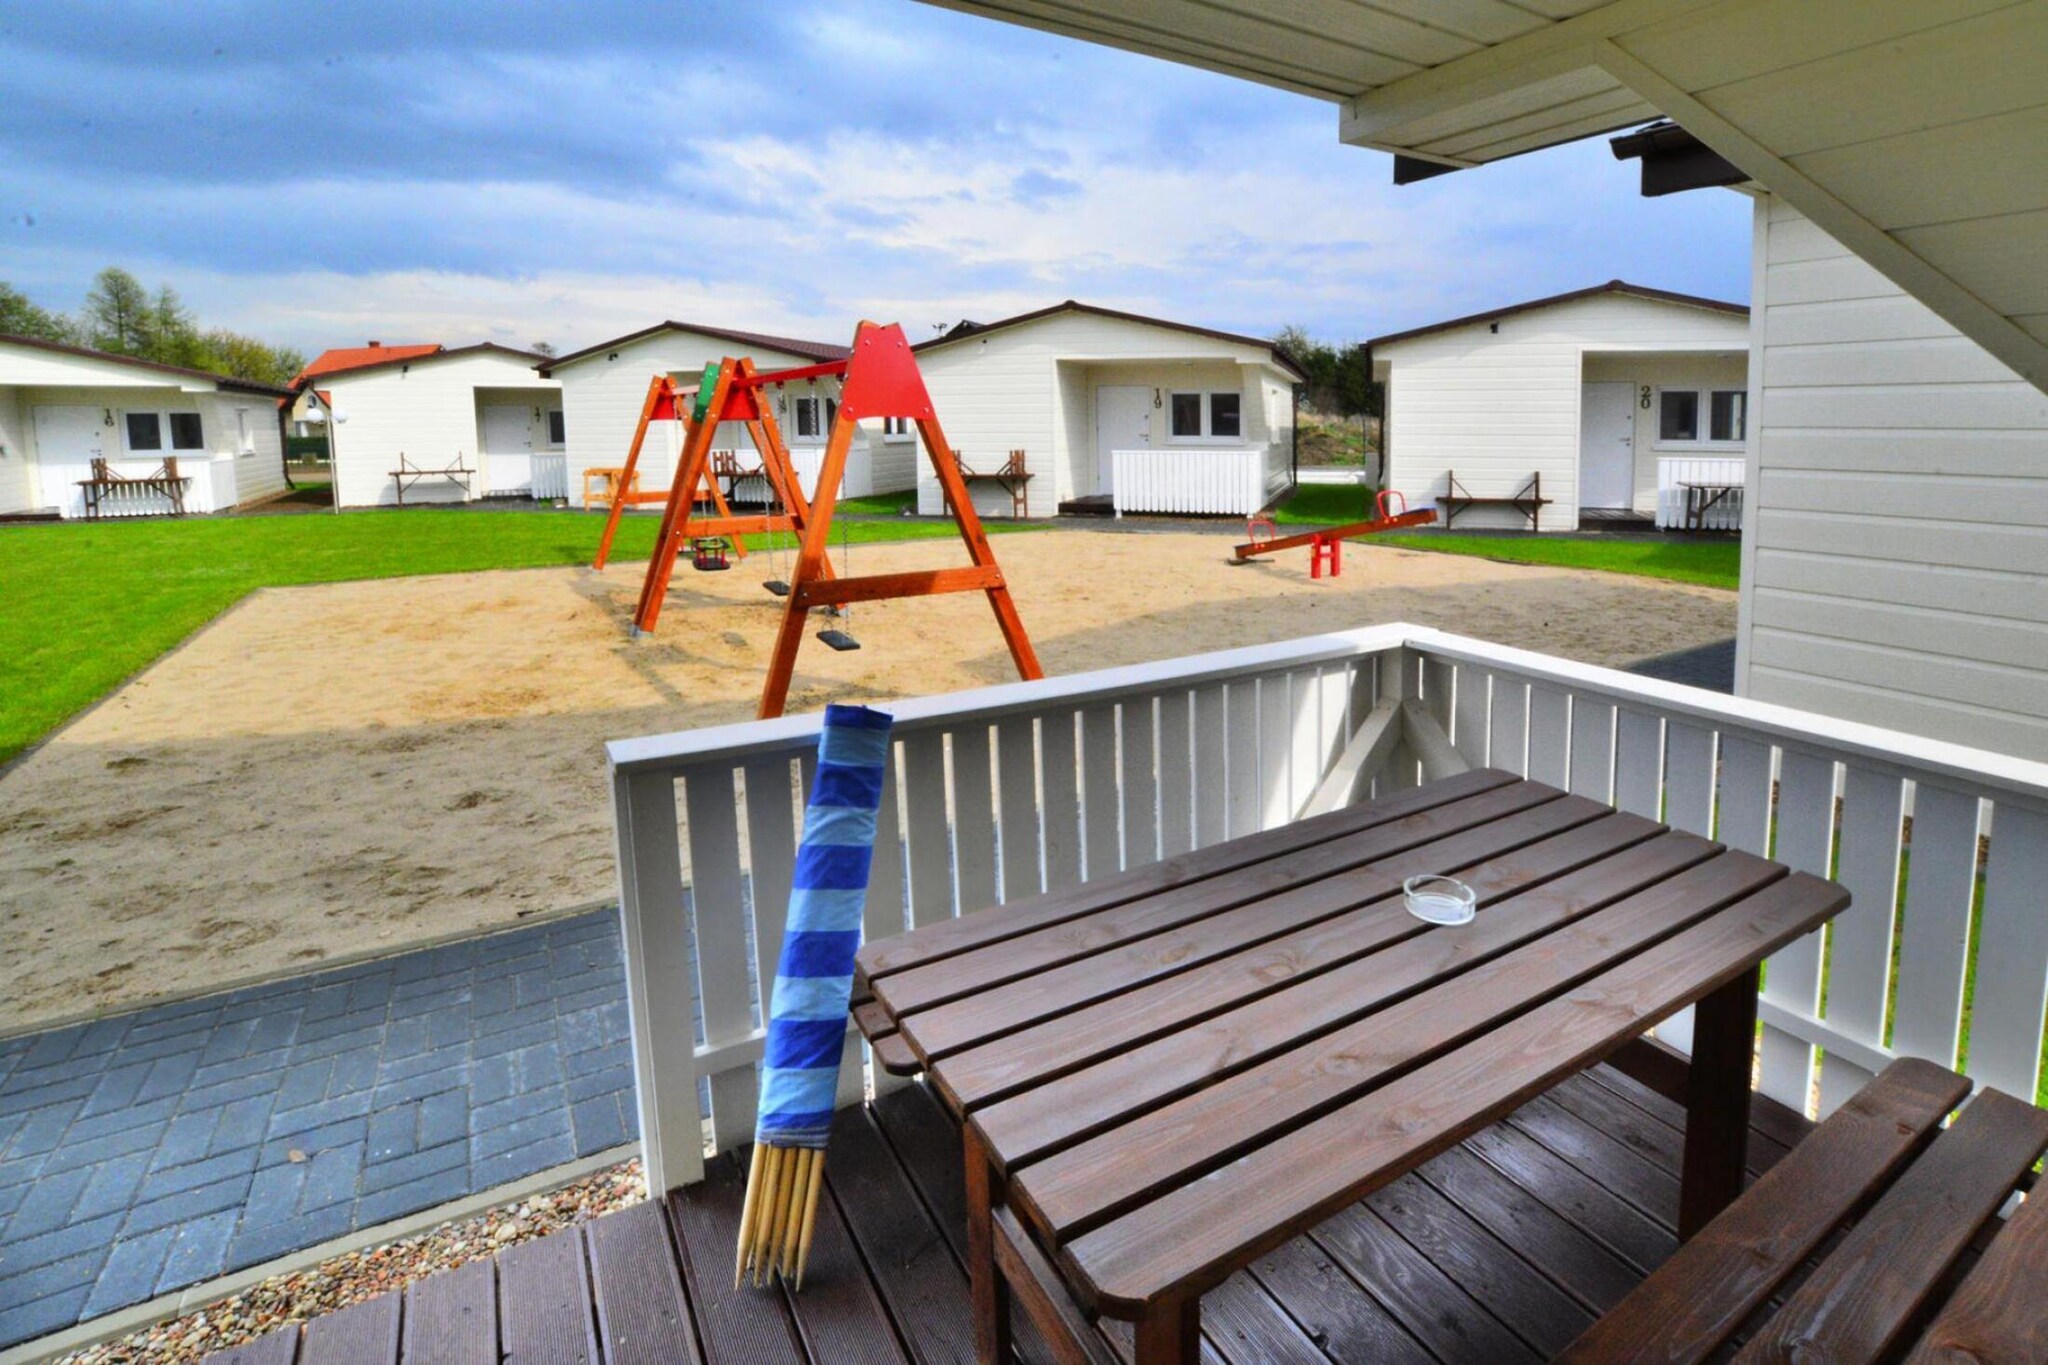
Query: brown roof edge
811,350
447,352
224,381
1074,306
1611,287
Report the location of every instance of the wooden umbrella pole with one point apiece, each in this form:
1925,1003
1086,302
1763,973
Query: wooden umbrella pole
753,1208
813,1186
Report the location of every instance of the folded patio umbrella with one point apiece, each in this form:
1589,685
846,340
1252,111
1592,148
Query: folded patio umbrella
813,991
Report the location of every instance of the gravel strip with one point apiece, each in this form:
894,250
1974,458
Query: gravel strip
360,1275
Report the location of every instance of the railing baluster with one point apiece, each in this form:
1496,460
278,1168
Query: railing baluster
1592,770
1550,735
1140,782
1638,762
931,850
1176,774
1689,778
974,818
1241,748
2012,955
1507,740
1806,822
771,860
884,913
1017,785
1941,877
1061,790
1209,751
661,977
1745,804
1099,799
1470,714
717,896
1276,749
1308,754
1860,939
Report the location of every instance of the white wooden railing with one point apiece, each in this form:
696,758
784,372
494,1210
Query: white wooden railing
1674,472
1001,792
1189,480
550,475
210,486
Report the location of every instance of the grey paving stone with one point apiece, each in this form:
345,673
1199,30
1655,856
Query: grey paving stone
492,1079
443,1117
48,1204
228,1091
170,1180
539,1067
382,1175
353,1071
512,1040
148,1114
42,1130
394,1132
116,1089
439,1187
40,1317
306,1118
273,1031
244,1123
422,1063
306,1083
41,1088
520,1162
72,1242
169,1075
130,1273
197,1203
113,1184
549,1122
200,1250
598,1124
320,1139
274,1190
483,1118
186,1138
267,1241
333,1176
100,1149
228,1042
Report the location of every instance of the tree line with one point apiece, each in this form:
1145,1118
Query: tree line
122,316
1340,382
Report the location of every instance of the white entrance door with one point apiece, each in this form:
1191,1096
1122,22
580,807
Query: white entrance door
1607,446
68,440
508,448
1123,421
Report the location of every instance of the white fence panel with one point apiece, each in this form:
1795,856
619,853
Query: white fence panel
550,476
1189,481
1674,472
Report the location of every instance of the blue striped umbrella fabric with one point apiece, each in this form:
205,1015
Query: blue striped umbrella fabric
813,990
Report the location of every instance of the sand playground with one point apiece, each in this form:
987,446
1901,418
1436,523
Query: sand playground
334,770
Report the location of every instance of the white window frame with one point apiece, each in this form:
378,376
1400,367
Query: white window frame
163,427
547,424
245,435
1703,394
1207,437
895,429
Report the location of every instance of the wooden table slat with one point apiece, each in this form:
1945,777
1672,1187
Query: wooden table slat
1192,1236
1995,1315
931,942
1695,1302
452,1318
362,1334
545,1316
928,1000
1871,1288
642,1315
1274,1028
990,1071
1170,1144
1199,924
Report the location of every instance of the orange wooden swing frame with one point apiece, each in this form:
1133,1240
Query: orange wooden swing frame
879,379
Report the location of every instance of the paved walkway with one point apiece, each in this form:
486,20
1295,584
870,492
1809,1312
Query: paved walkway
149,1151
1709,666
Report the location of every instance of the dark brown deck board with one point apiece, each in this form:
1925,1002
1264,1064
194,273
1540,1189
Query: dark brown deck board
365,1334
1765,1149
452,1318
544,1290
1626,1172
1346,1322
1581,1199
272,1348
734,1326
1433,1308
839,1312
642,1316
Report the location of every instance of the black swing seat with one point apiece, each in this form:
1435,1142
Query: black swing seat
838,639
777,586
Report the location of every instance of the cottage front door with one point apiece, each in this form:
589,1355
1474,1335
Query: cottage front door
1123,421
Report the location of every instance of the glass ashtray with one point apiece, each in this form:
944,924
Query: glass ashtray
1439,900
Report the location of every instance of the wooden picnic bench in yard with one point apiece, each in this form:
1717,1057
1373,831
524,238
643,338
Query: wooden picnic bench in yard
1165,1074
408,474
1528,499
106,486
1702,498
1012,477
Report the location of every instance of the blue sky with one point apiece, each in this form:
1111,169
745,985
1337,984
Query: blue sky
430,171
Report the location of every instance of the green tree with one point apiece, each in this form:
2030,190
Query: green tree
119,314
21,316
247,358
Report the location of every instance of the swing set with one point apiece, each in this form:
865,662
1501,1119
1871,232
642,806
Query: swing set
879,379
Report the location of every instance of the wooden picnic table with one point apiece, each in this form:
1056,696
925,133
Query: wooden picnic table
1165,1073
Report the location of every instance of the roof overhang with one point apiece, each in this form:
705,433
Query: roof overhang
1913,134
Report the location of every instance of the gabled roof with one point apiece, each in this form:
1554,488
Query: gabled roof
360,357
1611,287
810,350
429,356
966,330
223,381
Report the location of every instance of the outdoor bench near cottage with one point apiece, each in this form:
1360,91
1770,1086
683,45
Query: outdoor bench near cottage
409,474
160,493
1011,476
1527,500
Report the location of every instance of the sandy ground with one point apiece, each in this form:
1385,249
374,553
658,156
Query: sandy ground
332,770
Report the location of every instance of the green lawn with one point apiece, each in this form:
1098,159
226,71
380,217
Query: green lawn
1715,563
83,606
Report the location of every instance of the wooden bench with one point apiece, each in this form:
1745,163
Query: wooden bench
1528,499
1702,498
408,474
609,478
1012,477
105,485
726,468
1892,1206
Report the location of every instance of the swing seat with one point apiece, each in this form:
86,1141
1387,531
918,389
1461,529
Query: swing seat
777,586
838,639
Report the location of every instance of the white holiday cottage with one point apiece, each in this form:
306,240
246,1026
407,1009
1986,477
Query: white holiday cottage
62,407
1606,403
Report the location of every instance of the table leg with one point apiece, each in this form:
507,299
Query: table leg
985,1279
1717,1102
1171,1334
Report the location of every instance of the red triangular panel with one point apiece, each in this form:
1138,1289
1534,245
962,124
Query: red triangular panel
740,405
882,378
664,407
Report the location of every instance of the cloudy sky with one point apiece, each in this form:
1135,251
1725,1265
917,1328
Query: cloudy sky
567,172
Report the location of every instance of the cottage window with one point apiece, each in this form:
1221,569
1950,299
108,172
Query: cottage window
245,439
146,430
558,433
895,428
1702,417
807,423
1213,416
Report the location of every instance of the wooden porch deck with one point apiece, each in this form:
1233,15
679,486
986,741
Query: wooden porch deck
1501,1250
